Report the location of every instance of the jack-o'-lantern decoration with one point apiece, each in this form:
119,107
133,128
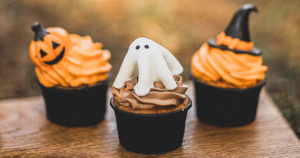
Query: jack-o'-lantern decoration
49,45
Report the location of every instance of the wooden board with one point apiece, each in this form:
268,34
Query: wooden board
25,132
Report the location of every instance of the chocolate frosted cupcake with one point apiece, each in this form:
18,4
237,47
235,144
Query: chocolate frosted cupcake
228,74
149,99
73,73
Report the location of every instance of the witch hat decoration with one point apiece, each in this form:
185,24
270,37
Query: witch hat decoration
39,31
238,29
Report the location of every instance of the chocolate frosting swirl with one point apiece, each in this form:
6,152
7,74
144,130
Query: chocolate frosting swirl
158,97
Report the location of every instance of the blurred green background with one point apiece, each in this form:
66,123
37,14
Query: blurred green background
180,26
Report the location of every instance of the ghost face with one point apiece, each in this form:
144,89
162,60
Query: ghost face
153,62
141,48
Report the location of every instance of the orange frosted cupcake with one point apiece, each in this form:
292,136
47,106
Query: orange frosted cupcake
73,73
228,73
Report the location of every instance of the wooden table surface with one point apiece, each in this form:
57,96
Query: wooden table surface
25,132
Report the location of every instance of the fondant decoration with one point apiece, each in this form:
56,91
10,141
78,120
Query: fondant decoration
48,47
152,62
236,37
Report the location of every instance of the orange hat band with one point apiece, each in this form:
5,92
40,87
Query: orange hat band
233,43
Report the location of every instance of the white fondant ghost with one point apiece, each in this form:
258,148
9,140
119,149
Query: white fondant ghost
153,63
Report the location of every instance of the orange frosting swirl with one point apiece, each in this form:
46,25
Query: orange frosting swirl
225,68
84,63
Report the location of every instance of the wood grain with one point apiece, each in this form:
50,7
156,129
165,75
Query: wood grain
25,132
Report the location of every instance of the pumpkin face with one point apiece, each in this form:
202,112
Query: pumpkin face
49,46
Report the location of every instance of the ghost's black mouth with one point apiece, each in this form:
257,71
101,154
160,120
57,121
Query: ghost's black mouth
57,59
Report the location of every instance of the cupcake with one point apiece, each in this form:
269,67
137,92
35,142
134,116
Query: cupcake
73,73
149,99
228,74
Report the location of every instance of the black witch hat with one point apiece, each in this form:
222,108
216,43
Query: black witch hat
238,28
39,31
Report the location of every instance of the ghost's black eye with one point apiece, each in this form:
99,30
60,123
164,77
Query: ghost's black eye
42,53
146,46
54,45
137,47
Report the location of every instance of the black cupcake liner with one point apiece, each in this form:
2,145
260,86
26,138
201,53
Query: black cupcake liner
76,107
226,106
151,133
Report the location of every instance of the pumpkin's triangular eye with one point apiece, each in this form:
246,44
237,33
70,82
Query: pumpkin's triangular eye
55,45
42,53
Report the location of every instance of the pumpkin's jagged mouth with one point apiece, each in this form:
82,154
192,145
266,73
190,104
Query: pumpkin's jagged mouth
57,59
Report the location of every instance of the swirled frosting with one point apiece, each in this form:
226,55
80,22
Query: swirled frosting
226,68
158,100
86,63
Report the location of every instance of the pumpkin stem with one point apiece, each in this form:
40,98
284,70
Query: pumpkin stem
39,31
238,27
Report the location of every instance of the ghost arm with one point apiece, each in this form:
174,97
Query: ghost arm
165,75
126,70
173,64
144,81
